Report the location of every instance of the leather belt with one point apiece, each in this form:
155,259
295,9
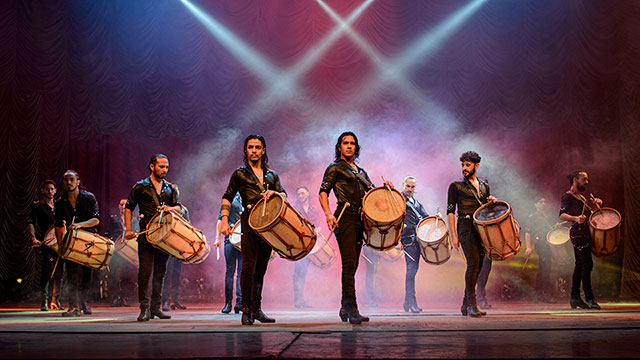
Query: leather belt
467,216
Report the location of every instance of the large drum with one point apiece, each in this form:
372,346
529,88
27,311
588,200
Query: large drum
322,255
128,250
498,230
433,236
235,238
87,248
392,255
383,214
281,226
604,226
177,237
561,248
50,239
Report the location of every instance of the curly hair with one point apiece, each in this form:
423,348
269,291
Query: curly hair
342,136
470,156
574,175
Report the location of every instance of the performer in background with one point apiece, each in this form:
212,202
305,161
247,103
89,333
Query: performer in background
538,225
254,181
41,218
349,183
371,265
152,194
574,208
121,270
171,290
415,213
76,209
232,257
313,214
467,195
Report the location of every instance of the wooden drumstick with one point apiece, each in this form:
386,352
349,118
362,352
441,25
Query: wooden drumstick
264,207
410,257
346,205
391,192
593,200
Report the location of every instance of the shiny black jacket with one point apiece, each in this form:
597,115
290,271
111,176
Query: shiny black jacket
245,182
86,209
143,194
415,213
463,195
347,185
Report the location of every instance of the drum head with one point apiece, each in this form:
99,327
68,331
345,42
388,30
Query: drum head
379,205
558,235
431,229
50,237
605,219
271,213
235,238
490,212
319,242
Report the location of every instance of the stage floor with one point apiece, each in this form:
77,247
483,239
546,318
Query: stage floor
510,330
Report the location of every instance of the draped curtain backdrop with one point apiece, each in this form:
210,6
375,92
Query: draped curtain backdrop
99,86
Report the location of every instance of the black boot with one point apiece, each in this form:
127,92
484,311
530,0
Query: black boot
578,303
145,315
165,305
177,306
260,316
246,316
593,304
463,308
472,311
227,308
483,304
85,308
238,307
44,306
357,314
350,316
156,312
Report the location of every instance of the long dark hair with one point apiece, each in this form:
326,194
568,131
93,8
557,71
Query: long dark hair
347,133
264,162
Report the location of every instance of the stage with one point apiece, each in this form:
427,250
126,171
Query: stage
510,330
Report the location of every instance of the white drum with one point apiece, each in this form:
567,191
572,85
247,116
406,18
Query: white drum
433,236
235,238
322,255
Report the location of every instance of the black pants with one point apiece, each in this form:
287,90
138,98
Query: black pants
299,278
350,236
121,277
544,284
77,284
47,262
582,273
233,259
255,258
151,259
412,259
171,290
474,254
483,278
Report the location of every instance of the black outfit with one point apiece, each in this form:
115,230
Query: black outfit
463,195
574,204
301,266
233,257
78,276
144,194
415,213
348,185
538,225
255,251
120,270
42,217
171,290
483,278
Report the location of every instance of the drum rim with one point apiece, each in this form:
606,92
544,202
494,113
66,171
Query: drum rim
233,228
496,220
608,228
437,218
555,228
404,210
173,213
269,224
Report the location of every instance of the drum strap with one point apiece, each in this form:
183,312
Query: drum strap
581,198
475,194
368,185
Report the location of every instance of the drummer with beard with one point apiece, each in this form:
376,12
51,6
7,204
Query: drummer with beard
467,195
76,209
349,183
415,213
153,194
254,182
574,208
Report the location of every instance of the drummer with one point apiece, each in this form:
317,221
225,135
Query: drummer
538,225
152,194
467,195
574,208
76,209
233,259
415,213
120,277
254,181
41,219
349,183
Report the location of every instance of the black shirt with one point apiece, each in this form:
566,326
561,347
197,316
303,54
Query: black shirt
538,225
347,184
143,193
415,213
86,209
464,195
245,182
313,214
575,205
42,217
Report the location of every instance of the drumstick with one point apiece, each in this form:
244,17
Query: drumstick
217,253
412,259
60,250
392,195
264,207
366,258
593,199
346,205
526,260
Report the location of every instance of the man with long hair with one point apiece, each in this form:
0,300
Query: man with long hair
467,195
153,194
254,182
349,183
